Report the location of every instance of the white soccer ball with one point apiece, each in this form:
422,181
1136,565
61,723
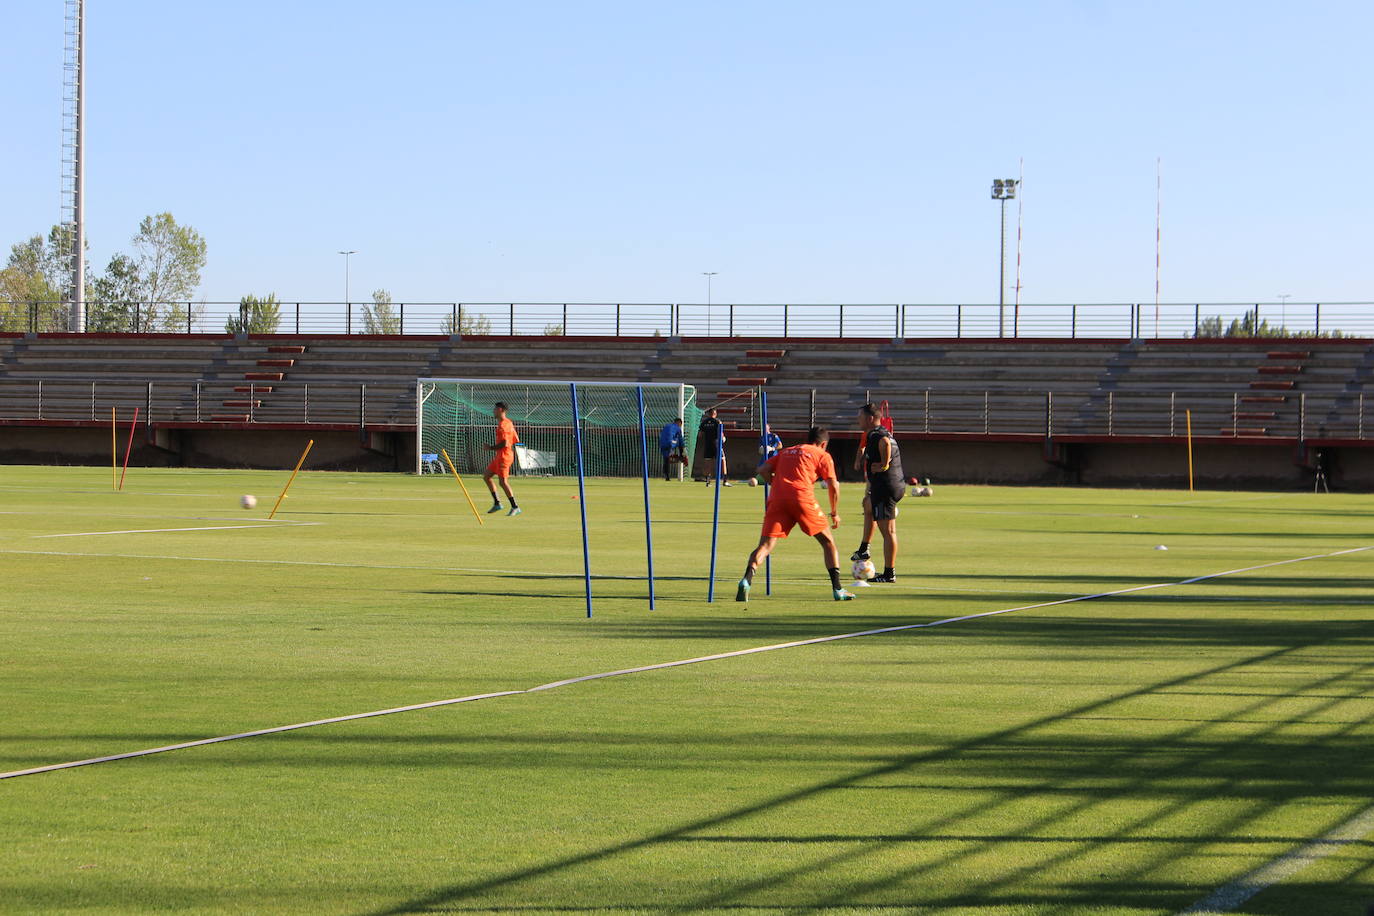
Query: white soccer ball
864,570
248,501
924,491
753,481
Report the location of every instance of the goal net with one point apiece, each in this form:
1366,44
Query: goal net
455,415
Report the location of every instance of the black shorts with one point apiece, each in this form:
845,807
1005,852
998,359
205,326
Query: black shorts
884,500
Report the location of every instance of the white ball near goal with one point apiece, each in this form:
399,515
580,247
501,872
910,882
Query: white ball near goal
248,501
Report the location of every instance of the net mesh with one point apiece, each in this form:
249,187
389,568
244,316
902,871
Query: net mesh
455,415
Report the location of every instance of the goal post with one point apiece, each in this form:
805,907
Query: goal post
455,414
566,429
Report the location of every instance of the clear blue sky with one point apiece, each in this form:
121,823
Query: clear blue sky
809,152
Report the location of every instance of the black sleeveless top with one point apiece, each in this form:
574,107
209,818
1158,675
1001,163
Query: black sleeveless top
893,478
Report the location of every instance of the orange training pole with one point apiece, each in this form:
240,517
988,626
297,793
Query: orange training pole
128,449
308,446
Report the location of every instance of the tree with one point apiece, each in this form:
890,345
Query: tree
256,316
31,286
553,330
115,298
1251,325
469,325
168,259
380,317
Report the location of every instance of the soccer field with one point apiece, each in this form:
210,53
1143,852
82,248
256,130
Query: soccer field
1136,753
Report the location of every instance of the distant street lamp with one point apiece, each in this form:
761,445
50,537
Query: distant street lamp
1003,189
708,274
346,255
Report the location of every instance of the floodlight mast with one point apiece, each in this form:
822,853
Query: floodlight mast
74,164
1003,190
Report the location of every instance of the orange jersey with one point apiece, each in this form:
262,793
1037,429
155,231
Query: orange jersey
506,435
796,470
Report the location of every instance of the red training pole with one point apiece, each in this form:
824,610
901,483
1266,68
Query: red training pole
129,448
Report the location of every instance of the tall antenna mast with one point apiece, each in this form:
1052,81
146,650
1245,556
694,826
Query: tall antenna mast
74,161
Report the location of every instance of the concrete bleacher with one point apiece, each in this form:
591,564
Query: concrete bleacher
1252,388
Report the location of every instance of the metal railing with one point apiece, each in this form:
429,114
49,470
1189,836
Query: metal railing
781,320
1328,415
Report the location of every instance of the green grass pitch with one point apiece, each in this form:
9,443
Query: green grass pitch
1127,755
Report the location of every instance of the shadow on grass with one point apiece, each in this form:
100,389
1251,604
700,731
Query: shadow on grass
945,860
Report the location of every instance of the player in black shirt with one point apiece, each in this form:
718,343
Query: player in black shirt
880,459
708,435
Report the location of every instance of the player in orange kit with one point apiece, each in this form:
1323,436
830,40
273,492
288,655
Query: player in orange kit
793,472
501,462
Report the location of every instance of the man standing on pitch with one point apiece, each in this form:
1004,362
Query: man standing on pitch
880,459
793,472
501,462
670,444
711,448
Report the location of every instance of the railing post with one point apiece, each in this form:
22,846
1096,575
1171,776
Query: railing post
987,426
730,320
813,407
403,318
137,308
841,320
512,319
897,322
1073,322
198,400
1111,413
1359,422
40,399
1197,318
1317,328
925,410
348,318
362,406
1302,416
958,321
298,317
188,318
1173,411
305,418
1049,414
149,412
565,320
784,326
458,318
252,391
1235,409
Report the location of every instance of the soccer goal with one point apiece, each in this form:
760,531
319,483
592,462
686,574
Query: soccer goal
455,415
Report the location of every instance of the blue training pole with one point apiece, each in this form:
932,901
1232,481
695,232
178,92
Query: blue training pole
767,561
581,495
648,527
715,518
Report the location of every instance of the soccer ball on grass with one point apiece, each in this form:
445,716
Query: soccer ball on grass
248,501
864,570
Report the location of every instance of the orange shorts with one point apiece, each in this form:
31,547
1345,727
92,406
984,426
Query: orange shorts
782,514
500,465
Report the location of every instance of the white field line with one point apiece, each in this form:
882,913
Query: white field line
553,685
1228,897
89,534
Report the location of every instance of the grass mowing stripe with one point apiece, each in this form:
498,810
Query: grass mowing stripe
1225,899
663,665
88,534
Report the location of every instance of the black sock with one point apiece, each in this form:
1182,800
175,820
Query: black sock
863,546
835,577
495,500
513,504
889,572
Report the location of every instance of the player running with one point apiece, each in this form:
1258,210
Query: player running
501,462
793,472
880,458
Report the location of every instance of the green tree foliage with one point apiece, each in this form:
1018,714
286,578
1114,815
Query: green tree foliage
256,316
115,298
469,325
168,258
1251,325
381,317
32,284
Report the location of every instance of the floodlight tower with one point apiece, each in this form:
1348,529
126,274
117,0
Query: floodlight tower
1003,189
73,239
